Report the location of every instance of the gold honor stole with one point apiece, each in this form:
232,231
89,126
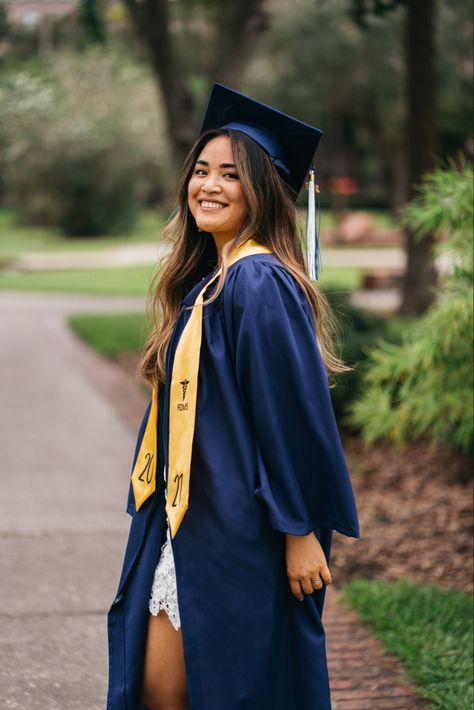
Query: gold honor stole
183,399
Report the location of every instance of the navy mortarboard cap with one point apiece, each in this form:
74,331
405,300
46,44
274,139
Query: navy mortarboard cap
290,143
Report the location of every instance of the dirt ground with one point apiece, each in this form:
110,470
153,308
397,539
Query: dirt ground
415,509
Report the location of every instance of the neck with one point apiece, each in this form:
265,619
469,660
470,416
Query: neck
220,241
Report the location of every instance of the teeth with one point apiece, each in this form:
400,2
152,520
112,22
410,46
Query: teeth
211,205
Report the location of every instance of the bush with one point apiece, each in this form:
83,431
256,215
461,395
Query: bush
423,386
82,142
360,329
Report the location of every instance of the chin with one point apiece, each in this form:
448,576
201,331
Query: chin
205,226
210,227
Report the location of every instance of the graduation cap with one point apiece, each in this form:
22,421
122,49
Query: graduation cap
290,144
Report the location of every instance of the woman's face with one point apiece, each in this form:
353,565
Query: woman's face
214,191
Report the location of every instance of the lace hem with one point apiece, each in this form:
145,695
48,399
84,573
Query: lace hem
164,593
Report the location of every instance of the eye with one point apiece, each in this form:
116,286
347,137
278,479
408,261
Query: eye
199,171
234,176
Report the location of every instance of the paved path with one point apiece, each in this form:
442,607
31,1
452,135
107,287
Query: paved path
121,255
134,254
65,458
363,676
66,443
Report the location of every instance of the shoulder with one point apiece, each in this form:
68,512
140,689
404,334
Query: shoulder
259,273
261,282
256,265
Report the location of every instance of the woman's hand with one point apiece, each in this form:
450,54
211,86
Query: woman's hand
306,564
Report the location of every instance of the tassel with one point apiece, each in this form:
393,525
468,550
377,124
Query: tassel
312,230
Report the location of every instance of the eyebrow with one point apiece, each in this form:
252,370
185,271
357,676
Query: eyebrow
222,165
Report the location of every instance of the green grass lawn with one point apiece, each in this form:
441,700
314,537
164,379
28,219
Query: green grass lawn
130,280
119,281
111,334
428,628
340,278
16,239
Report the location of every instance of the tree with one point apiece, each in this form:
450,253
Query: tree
301,66
4,23
91,19
226,30
420,276
422,132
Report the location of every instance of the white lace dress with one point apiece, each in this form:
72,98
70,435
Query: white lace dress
164,593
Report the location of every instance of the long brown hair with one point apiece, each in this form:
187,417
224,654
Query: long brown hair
271,219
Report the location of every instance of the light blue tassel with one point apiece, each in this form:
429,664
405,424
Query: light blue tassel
312,230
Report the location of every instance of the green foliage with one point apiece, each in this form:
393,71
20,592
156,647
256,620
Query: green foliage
359,330
428,628
91,18
301,66
81,142
445,205
4,23
362,8
423,387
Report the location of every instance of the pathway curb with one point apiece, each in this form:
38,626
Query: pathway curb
363,675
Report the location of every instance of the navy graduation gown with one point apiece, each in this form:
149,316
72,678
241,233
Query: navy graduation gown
267,460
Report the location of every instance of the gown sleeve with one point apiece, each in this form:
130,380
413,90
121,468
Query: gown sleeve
302,472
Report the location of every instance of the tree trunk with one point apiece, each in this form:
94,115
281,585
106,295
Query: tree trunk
420,277
239,23
151,19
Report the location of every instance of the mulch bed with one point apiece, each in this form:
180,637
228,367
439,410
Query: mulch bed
416,512
415,509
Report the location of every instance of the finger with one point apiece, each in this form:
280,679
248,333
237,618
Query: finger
316,582
307,584
296,589
326,574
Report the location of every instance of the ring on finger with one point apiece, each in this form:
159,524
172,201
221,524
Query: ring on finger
316,582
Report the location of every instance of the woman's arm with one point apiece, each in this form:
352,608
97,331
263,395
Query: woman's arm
305,563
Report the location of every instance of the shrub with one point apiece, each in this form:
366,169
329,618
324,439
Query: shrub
360,329
82,142
423,386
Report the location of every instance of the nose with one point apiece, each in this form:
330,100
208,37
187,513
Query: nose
211,184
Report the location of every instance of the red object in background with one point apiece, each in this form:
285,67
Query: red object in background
342,185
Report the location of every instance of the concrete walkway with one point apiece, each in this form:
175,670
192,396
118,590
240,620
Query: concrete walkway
136,254
65,458
112,257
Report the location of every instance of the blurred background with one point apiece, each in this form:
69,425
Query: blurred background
99,102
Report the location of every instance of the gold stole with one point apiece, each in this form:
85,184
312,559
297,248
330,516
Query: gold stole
183,399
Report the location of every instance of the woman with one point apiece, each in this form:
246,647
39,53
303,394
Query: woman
240,388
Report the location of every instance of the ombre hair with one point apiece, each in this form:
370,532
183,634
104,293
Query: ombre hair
271,219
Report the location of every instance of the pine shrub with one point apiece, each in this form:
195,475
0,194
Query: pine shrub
423,386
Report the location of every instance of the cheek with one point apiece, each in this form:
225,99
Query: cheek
192,191
238,200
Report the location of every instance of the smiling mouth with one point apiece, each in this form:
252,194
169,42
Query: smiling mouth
210,205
